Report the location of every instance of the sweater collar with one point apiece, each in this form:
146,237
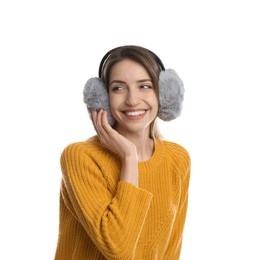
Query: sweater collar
155,160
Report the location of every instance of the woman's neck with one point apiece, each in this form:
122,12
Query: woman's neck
144,144
145,150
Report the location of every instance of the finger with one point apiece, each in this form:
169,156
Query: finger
104,136
105,122
93,115
99,123
94,119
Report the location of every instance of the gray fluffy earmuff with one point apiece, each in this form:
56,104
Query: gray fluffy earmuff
96,97
171,95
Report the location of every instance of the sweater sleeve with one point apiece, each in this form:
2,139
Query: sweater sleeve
113,221
175,243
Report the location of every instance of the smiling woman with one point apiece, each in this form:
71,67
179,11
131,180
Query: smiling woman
133,101
124,192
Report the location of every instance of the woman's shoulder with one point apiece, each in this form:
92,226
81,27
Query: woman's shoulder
90,147
174,147
176,152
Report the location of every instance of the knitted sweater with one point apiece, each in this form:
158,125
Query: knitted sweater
102,217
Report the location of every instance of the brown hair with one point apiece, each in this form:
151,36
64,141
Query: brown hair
144,57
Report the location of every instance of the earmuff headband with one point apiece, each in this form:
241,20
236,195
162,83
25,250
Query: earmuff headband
108,54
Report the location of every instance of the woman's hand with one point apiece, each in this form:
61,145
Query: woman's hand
118,144
110,138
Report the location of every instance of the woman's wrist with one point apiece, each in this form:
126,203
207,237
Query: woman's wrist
129,171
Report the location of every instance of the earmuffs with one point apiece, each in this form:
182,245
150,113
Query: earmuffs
171,92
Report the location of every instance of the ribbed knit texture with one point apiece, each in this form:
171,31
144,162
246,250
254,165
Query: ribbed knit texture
102,217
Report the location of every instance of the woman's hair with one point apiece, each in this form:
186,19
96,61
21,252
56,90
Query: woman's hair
144,57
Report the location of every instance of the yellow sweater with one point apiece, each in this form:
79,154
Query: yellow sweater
102,217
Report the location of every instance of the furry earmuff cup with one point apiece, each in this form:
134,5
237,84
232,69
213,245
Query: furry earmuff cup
95,96
171,96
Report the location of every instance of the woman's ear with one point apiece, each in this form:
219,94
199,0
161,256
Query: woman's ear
171,95
95,96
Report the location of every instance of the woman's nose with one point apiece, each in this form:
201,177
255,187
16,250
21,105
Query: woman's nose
132,98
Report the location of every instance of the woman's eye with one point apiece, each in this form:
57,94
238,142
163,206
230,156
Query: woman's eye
146,87
117,89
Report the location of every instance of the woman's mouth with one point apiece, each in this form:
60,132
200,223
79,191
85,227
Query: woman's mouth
135,114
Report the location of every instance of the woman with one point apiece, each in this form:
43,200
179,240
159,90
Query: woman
124,192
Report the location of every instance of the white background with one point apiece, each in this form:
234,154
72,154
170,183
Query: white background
48,51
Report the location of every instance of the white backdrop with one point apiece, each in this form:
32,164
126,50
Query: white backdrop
48,51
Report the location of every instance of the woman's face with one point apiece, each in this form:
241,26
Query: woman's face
133,101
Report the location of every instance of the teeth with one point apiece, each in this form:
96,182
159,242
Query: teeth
135,113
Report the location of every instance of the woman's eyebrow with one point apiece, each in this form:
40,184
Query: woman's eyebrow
123,82
144,80
117,81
